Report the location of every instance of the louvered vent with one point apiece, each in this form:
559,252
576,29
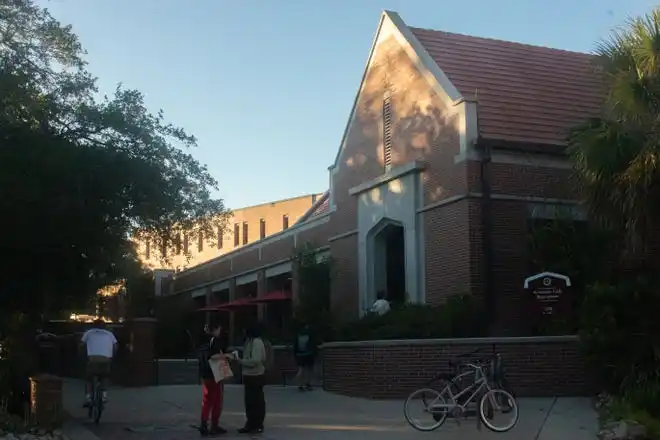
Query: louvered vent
387,131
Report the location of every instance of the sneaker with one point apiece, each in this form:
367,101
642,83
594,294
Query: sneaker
301,389
245,430
308,388
203,430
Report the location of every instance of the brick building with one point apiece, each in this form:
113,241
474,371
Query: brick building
454,143
246,225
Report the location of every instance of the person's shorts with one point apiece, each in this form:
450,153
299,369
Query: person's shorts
98,366
305,361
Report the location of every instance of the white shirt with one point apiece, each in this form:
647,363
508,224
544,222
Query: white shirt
380,307
99,342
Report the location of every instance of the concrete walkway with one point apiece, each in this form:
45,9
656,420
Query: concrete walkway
165,412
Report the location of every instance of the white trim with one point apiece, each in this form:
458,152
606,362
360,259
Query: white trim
278,270
198,292
343,235
392,174
246,279
245,272
528,280
220,286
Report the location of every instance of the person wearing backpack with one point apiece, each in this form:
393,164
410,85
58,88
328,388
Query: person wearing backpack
304,352
257,356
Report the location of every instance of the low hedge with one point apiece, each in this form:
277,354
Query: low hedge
461,316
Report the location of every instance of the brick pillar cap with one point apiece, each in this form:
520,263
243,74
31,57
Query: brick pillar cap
45,378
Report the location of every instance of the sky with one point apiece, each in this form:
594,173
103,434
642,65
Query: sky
267,86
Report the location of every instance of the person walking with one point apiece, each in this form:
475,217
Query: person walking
253,364
304,353
212,391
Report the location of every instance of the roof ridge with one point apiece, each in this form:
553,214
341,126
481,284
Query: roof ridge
498,40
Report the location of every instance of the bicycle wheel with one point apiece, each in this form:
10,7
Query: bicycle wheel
491,404
431,409
98,403
90,407
98,407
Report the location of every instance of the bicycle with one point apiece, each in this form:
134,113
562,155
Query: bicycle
454,399
96,405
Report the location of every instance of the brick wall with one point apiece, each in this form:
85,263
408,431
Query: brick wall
547,366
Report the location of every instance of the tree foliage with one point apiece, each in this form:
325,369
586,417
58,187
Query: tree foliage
80,176
617,155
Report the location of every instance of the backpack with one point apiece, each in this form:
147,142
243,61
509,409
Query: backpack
270,355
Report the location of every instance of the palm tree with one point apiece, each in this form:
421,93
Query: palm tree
617,155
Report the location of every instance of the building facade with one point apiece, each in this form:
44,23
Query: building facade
245,226
453,145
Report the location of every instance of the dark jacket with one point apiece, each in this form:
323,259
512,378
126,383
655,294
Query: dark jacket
212,347
302,349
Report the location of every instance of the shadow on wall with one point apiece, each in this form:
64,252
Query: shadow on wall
419,125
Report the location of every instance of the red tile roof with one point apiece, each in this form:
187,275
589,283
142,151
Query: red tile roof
525,93
322,208
318,208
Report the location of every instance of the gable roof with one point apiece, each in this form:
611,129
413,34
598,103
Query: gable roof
524,93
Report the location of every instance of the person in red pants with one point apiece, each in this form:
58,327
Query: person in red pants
212,391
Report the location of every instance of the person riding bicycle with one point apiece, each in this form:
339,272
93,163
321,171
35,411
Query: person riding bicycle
101,346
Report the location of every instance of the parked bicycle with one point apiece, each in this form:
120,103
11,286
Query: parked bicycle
96,405
471,382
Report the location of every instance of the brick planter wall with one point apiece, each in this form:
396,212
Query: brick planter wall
535,366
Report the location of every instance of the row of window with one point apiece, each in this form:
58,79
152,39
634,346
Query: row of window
183,246
262,230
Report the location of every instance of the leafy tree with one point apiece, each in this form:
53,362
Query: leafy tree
617,155
80,176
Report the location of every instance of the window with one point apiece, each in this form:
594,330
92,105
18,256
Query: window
285,221
237,231
245,233
220,231
177,244
185,243
147,250
262,228
163,248
200,242
387,131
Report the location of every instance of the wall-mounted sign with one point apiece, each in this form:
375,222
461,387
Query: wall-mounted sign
547,288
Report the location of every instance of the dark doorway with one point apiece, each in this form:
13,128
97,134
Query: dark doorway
390,262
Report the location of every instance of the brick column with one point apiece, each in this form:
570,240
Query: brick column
232,297
261,291
46,401
138,365
209,302
294,284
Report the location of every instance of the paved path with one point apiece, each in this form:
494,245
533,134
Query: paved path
164,413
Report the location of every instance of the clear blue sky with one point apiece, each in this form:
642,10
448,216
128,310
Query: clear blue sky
267,85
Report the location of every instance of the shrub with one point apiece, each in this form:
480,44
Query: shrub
620,334
459,317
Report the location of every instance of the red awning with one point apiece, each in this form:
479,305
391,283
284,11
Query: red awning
276,295
241,302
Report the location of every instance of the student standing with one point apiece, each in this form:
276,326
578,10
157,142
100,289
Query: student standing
304,352
254,369
212,391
